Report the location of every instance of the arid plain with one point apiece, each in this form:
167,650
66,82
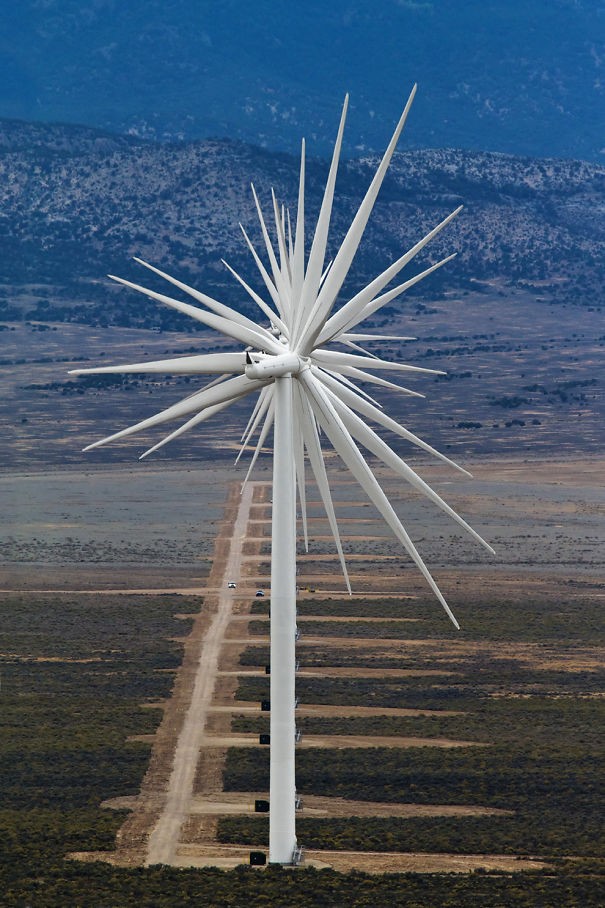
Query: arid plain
111,526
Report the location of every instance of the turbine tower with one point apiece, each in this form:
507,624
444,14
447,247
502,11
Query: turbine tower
302,386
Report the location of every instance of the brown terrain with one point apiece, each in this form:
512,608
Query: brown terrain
107,527
174,818
522,383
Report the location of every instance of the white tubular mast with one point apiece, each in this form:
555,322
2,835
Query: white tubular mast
282,834
304,388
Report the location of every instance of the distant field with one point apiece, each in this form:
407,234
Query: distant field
523,380
522,679
75,671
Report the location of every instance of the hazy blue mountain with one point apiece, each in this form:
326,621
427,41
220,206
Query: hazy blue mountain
516,77
76,203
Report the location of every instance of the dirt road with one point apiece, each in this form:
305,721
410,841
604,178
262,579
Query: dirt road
164,839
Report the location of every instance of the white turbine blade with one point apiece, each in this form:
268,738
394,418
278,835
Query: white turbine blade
374,337
275,269
259,411
381,301
288,249
257,338
361,299
315,265
350,454
290,240
298,259
261,440
278,280
212,304
377,446
347,381
265,398
265,275
299,456
332,359
194,421
229,390
372,379
353,346
352,400
281,243
211,384
313,446
349,245
184,365
255,410
271,315
326,272
207,397
215,381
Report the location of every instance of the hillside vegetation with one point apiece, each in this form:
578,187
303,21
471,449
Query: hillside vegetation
76,203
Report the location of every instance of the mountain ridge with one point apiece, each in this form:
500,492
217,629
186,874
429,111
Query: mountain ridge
76,202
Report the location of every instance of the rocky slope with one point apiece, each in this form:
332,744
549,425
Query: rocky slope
76,203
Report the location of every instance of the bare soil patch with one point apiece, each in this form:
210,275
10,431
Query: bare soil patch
226,803
398,862
340,742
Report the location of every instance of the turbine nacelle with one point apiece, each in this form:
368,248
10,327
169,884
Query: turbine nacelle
262,366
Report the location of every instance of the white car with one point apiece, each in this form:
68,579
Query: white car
231,585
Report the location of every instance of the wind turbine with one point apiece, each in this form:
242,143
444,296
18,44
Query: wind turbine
303,386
